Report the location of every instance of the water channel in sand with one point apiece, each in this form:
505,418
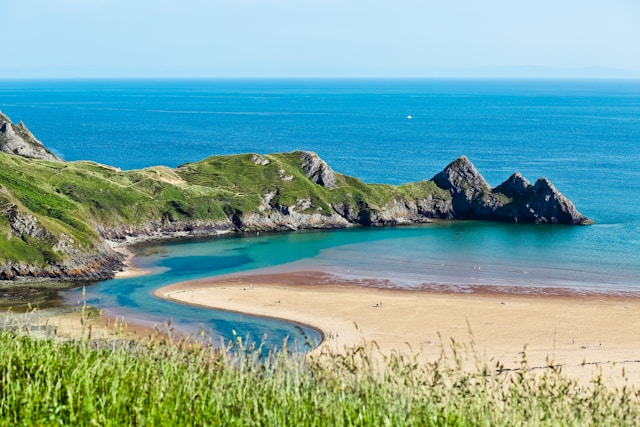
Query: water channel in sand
461,255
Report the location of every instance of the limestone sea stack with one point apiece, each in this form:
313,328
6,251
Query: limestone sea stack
515,200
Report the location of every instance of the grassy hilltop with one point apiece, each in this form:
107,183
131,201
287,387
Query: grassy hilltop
49,209
57,217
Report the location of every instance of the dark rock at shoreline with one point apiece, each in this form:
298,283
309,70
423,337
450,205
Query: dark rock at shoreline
542,203
515,200
95,266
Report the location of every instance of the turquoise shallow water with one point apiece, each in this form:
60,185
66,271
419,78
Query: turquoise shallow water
459,255
582,135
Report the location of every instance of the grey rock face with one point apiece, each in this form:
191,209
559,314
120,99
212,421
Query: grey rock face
169,229
542,203
462,177
515,200
260,160
515,186
466,185
98,265
23,223
317,170
289,219
18,140
76,264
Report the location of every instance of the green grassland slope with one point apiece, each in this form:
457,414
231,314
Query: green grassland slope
57,218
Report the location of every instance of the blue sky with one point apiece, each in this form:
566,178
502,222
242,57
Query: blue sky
328,38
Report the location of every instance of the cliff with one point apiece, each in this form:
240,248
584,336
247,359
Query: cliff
17,139
56,218
515,200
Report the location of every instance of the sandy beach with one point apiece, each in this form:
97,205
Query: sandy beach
583,333
130,268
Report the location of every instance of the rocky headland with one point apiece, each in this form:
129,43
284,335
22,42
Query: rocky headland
18,140
62,220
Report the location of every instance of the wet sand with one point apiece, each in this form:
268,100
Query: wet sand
583,333
130,268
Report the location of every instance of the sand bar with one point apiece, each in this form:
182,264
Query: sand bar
584,333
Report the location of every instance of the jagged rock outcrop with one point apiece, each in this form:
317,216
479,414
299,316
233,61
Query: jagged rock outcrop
165,230
515,200
98,264
397,212
288,218
65,260
462,177
542,203
514,186
407,212
22,224
466,185
17,139
317,170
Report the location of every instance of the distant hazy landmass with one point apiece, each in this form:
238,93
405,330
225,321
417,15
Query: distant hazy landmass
418,72
535,71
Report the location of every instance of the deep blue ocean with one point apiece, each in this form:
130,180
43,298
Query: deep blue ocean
583,135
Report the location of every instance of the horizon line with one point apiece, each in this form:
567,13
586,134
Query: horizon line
470,77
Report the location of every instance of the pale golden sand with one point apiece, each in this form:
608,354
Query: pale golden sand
76,324
131,271
582,333
130,268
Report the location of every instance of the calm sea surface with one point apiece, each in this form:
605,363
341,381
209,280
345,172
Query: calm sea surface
582,135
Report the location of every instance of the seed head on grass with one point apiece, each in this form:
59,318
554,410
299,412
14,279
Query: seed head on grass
172,380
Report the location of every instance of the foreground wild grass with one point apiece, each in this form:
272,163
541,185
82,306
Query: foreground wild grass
169,382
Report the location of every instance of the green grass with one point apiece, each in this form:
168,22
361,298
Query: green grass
78,198
174,382
75,198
